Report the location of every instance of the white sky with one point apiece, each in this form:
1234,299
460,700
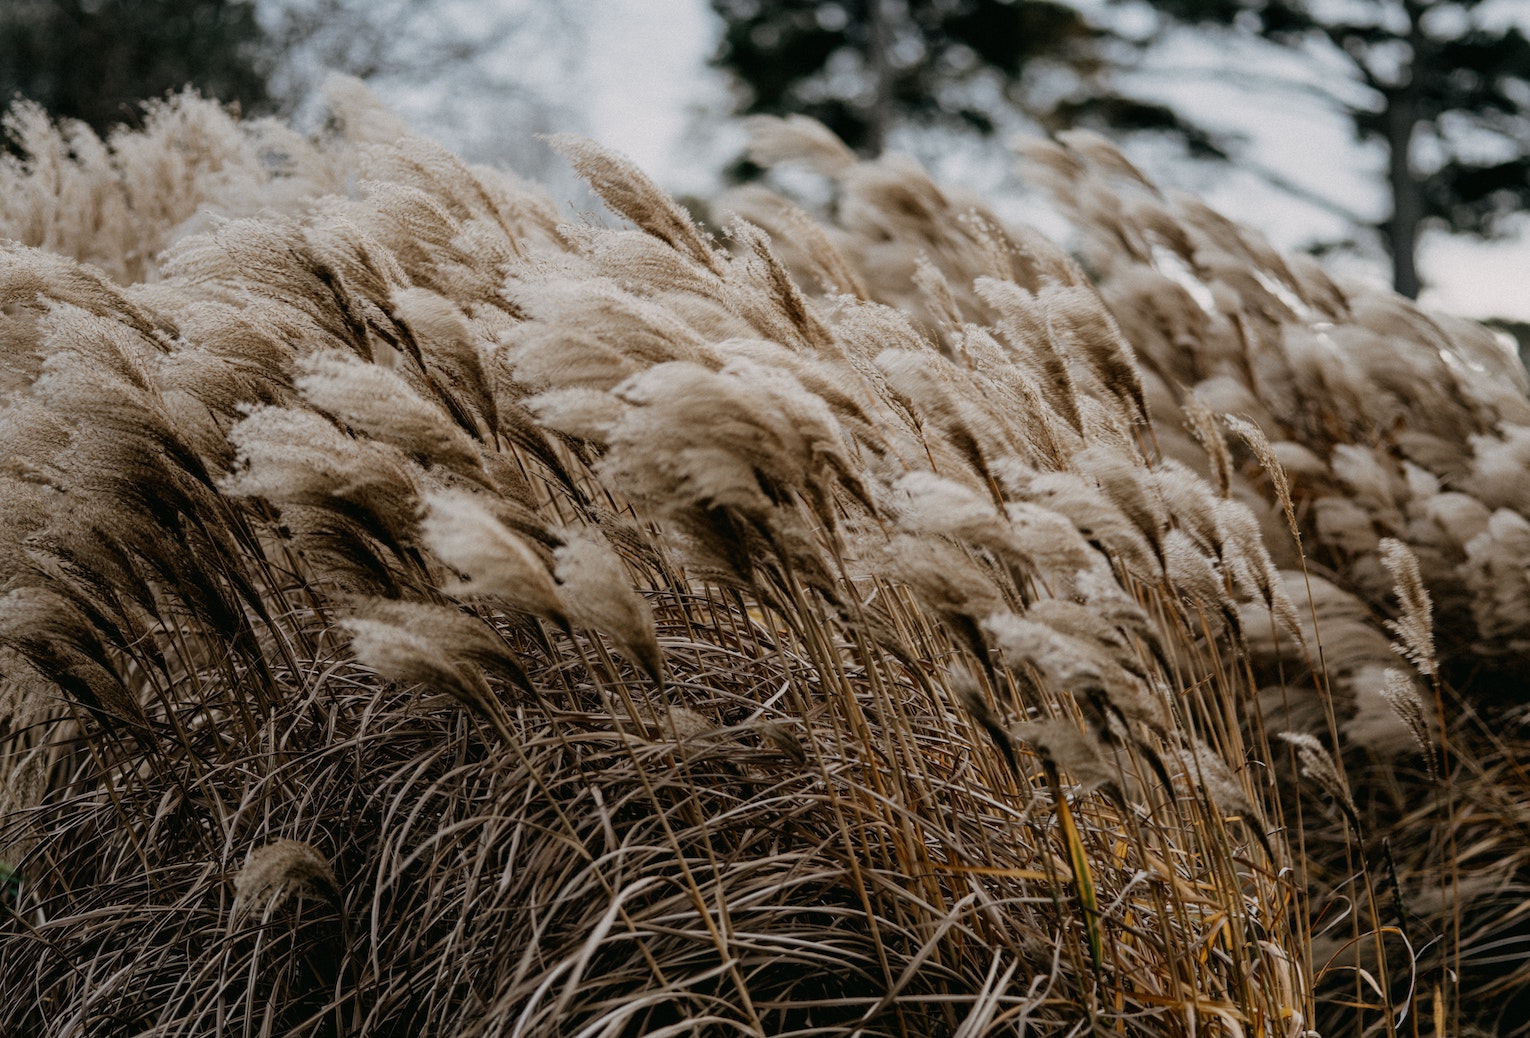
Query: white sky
646,72
645,79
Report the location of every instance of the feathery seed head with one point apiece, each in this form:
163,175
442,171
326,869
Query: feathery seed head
279,870
1071,748
797,139
597,592
1402,695
1257,442
1318,765
630,193
1414,628
464,533
379,402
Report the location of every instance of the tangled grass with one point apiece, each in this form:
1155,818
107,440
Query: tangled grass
424,613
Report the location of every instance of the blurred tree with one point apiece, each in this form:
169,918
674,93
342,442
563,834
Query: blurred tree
94,60
864,66
482,75
440,61
1442,85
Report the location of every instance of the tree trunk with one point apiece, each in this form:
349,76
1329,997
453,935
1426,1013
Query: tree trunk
1402,117
879,63
1407,194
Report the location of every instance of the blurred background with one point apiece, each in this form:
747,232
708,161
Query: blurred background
1390,136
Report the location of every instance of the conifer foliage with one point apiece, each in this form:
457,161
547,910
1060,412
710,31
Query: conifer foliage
1442,87
95,60
867,67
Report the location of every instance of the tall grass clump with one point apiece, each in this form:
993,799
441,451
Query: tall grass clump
428,613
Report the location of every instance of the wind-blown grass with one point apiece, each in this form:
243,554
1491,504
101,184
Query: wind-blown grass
424,614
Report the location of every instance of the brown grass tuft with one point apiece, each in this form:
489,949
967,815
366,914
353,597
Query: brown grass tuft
577,630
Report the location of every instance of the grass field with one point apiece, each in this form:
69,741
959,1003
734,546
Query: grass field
427,611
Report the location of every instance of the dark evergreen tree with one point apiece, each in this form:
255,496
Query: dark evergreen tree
95,60
864,66
1441,85
1444,88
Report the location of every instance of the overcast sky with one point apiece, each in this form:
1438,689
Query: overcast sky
645,77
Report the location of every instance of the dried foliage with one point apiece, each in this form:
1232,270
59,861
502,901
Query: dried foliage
421,616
